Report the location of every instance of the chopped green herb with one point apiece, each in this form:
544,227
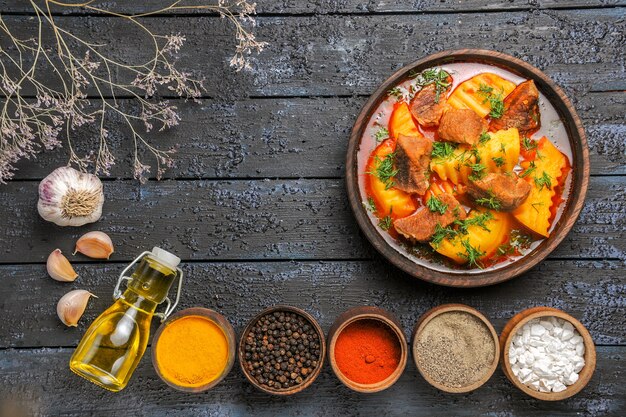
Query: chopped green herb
442,233
543,181
534,205
472,254
442,150
381,133
478,171
496,102
456,211
436,206
492,202
502,148
479,220
436,76
385,223
371,204
396,92
498,160
518,241
384,170
529,170
529,144
484,137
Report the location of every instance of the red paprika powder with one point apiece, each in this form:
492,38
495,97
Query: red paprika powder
367,351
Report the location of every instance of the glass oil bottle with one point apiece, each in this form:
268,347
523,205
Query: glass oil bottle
113,345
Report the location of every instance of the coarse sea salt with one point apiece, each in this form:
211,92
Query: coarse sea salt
547,354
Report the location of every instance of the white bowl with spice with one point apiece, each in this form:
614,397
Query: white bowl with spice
547,353
455,348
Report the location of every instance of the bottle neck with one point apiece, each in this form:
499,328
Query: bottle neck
138,302
151,281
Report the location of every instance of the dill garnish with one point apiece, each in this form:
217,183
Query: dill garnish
385,223
384,170
484,137
442,233
543,181
381,134
529,144
436,76
492,202
496,102
472,254
442,150
498,160
436,206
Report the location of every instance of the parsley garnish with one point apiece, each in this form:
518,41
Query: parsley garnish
436,206
384,170
544,180
442,150
442,233
495,100
529,144
381,133
435,76
498,160
484,137
472,254
492,202
385,223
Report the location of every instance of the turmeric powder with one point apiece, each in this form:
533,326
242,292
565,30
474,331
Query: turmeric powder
192,351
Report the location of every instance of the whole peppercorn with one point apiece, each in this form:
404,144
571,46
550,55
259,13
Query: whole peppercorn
282,350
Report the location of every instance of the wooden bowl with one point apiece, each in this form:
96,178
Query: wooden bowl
446,308
367,313
216,318
312,377
419,268
523,317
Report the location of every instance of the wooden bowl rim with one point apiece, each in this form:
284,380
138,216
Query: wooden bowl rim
218,319
571,209
584,376
447,308
312,377
356,314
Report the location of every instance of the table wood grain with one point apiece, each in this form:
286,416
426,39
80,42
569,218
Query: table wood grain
256,204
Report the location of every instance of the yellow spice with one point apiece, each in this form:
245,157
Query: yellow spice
192,351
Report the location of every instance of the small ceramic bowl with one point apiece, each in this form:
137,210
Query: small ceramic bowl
218,320
446,308
523,317
367,313
311,377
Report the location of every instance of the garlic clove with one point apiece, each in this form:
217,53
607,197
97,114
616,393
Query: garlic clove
96,245
68,197
59,267
72,305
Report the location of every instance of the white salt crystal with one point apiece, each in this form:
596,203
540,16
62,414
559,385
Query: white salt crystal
537,330
567,326
580,349
547,324
567,334
558,387
571,378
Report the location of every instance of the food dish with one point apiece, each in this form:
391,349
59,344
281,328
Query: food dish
465,164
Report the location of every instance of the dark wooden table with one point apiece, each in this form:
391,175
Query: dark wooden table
257,207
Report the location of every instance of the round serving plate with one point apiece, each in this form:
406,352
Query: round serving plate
573,143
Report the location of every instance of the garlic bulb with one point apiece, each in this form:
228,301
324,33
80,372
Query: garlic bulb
68,197
96,245
72,305
59,267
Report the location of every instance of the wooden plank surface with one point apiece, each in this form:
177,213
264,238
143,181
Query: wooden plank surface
261,219
41,380
240,290
341,6
268,138
582,50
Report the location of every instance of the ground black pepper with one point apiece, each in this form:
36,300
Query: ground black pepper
281,350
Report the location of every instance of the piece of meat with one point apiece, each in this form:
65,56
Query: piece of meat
521,109
501,191
421,226
412,162
425,106
461,126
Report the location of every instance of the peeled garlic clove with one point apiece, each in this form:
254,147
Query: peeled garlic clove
72,305
60,268
96,245
68,197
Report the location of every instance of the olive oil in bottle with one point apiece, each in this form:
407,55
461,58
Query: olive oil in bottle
113,345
